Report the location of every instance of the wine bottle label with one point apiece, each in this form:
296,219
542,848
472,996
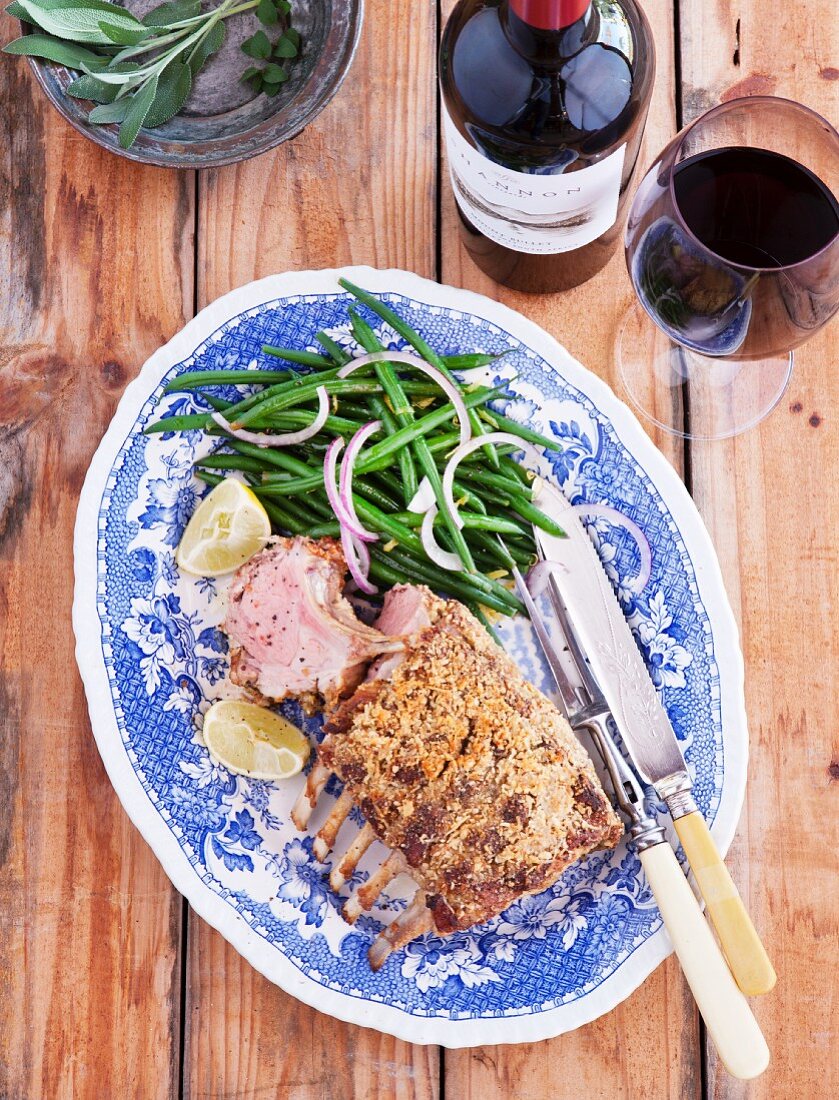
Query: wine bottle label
533,212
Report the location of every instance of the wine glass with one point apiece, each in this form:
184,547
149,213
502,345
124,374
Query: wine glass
732,246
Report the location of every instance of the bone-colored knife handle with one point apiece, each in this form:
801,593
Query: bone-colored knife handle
728,1018
740,942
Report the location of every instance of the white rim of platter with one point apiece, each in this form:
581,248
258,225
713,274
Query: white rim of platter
207,904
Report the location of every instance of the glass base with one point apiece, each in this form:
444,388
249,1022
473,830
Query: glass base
690,395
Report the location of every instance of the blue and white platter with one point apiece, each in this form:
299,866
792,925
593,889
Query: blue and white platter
152,660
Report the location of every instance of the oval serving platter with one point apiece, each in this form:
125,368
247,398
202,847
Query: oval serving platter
152,660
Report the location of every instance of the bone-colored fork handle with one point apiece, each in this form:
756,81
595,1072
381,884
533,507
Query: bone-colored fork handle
728,1018
740,942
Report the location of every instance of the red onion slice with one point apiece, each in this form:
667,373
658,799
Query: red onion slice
465,449
345,480
436,553
618,519
538,576
449,388
423,498
287,439
358,562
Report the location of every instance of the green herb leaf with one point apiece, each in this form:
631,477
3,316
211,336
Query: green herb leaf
271,89
257,46
174,11
283,7
53,49
110,112
255,80
285,47
141,103
293,35
173,88
266,13
78,20
210,44
16,11
274,74
250,73
88,87
124,36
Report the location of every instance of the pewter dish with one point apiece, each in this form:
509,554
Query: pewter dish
223,121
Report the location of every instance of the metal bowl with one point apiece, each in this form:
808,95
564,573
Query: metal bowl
223,121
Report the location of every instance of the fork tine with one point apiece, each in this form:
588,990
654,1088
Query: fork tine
567,691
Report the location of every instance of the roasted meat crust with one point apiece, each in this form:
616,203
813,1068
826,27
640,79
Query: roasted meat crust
469,771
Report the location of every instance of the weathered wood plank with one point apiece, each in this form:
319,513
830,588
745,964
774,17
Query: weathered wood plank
772,506
649,1046
92,279
358,186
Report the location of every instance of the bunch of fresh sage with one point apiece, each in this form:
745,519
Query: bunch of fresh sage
140,72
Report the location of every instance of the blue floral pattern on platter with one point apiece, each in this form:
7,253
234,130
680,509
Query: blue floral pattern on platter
166,661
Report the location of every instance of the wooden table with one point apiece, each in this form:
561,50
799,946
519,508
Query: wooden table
109,986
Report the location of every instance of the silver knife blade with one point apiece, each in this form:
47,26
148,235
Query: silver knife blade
610,647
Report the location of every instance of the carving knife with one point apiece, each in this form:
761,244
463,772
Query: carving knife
617,665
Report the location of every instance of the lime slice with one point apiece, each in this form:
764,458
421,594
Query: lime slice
228,527
253,741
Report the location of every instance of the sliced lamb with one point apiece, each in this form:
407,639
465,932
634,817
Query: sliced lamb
291,630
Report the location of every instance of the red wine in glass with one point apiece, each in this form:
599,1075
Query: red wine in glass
752,212
732,246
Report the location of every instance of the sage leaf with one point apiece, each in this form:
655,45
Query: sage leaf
124,36
53,49
88,87
135,116
210,44
173,88
173,11
77,20
16,11
266,13
110,112
257,46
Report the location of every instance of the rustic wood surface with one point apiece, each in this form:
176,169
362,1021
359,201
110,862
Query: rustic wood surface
108,987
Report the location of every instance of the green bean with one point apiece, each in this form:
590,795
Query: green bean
472,360
485,623
229,462
454,584
402,413
183,423
211,479
502,482
536,516
324,530
418,344
501,423
304,358
196,379
336,353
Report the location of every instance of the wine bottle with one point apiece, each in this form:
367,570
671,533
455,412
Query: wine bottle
543,106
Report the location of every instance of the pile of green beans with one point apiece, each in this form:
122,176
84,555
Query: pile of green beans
417,436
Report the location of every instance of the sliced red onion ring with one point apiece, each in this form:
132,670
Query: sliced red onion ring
437,554
345,481
465,449
538,576
287,439
618,519
333,493
357,557
449,388
423,498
